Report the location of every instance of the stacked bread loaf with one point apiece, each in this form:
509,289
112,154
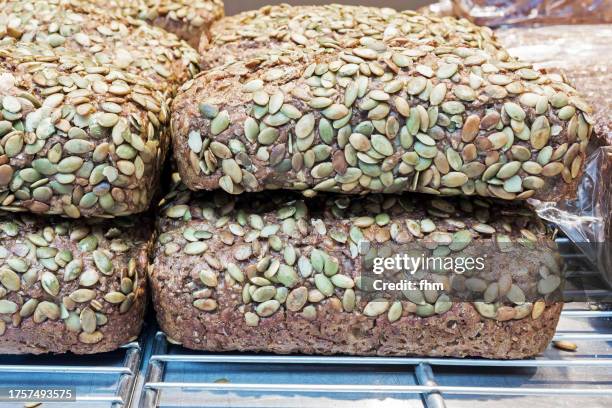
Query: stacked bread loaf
400,130
84,131
336,102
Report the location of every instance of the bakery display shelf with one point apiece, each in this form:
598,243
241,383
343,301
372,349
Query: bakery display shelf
99,380
178,377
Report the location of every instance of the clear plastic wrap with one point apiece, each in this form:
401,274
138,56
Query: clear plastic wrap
581,53
528,12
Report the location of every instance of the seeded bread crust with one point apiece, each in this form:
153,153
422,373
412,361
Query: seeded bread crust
281,27
77,138
212,253
586,71
56,293
188,19
80,26
353,121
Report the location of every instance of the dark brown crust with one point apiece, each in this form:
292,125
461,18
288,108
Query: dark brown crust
459,332
53,337
24,335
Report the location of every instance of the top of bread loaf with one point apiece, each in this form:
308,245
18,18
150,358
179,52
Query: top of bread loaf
188,19
281,27
141,49
77,137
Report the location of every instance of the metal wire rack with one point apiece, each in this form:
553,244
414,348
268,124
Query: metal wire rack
166,357
106,380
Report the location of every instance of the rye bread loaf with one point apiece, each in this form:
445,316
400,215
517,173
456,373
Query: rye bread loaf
77,137
386,112
93,30
77,286
273,273
188,19
278,28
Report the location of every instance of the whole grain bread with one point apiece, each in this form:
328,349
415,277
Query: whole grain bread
271,272
386,111
77,137
94,31
188,19
75,286
280,27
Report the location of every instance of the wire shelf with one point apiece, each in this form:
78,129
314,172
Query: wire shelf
104,380
167,360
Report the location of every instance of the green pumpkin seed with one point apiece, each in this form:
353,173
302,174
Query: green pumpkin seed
267,308
375,308
323,284
395,312
220,123
514,111
50,283
102,262
540,132
82,295
454,179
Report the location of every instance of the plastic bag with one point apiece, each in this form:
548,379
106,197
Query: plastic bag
521,12
581,54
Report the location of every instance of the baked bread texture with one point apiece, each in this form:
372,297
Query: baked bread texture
275,273
188,19
77,137
433,106
65,285
92,30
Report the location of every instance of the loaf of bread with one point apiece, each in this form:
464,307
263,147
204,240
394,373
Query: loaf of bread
77,137
188,19
91,29
71,286
277,28
273,273
442,111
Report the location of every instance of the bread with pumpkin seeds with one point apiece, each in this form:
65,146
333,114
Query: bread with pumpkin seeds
586,71
280,27
79,26
383,115
275,273
77,137
71,286
188,19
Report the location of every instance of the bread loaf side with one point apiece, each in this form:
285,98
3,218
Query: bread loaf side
71,286
277,274
440,110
